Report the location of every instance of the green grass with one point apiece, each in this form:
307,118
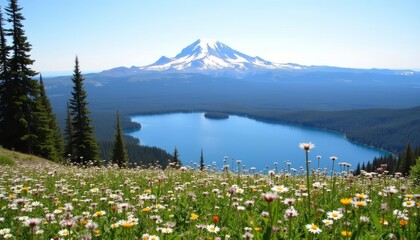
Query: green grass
6,161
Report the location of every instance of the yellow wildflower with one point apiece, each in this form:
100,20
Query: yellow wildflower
383,221
100,213
146,209
127,224
403,222
345,201
114,225
194,216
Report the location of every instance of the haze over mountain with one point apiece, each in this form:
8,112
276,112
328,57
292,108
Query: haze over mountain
217,59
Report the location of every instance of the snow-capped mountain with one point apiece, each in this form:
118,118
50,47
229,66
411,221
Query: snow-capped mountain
217,59
209,56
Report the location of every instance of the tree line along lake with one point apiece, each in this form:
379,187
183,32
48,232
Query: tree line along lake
257,144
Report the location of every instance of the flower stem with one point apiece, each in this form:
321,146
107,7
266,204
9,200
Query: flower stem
308,186
290,228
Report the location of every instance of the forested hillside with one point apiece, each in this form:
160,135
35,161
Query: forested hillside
390,129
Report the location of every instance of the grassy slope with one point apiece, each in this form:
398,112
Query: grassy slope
9,157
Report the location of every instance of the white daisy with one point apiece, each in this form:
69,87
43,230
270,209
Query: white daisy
313,228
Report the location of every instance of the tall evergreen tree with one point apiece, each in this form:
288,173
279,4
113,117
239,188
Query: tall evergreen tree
52,122
369,167
357,172
4,52
68,135
119,152
175,160
20,90
415,171
4,82
408,159
201,161
84,144
43,142
417,151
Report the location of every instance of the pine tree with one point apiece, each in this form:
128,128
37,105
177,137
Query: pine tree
4,52
201,161
84,144
53,125
19,90
405,160
369,167
357,172
417,151
119,152
399,163
175,160
415,171
408,159
68,135
4,82
43,142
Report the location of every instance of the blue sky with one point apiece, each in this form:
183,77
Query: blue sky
108,33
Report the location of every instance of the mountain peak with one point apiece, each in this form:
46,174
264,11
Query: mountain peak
201,48
206,43
213,57
206,55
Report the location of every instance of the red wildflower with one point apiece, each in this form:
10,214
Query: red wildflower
216,219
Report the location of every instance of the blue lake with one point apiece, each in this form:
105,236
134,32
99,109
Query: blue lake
257,144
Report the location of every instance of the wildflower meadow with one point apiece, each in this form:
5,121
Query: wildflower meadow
44,200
